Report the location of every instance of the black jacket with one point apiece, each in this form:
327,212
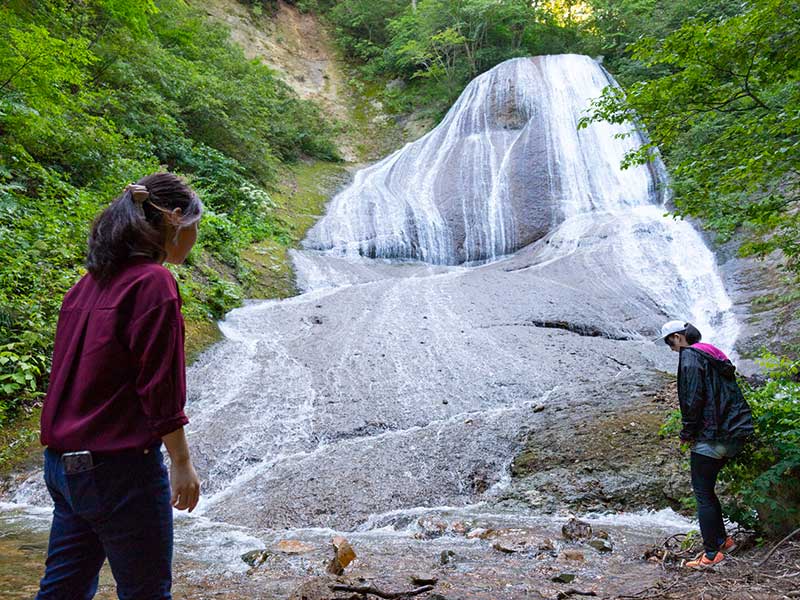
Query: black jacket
712,405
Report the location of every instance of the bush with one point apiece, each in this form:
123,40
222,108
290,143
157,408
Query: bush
765,478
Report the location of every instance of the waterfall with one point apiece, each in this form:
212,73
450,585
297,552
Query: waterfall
508,167
505,165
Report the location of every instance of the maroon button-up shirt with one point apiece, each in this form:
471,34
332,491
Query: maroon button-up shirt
118,380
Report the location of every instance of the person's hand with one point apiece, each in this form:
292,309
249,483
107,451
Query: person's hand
185,485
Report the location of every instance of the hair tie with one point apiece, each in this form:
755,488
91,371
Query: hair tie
139,193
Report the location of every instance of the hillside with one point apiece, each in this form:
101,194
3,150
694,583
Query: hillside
264,142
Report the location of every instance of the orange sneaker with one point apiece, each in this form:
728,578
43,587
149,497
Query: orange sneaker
729,545
703,562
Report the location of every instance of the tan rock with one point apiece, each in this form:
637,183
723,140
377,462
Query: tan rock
478,532
459,528
293,547
344,551
546,545
510,546
572,555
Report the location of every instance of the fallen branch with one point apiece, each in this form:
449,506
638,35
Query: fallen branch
776,546
368,589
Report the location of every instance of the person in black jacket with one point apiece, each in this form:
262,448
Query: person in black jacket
716,420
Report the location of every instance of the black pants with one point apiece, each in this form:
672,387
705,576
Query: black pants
704,478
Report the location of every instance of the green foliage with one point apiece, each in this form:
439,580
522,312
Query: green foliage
440,45
99,93
763,478
723,105
20,374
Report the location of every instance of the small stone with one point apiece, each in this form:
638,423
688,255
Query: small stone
446,557
564,578
572,555
603,535
459,528
424,579
546,545
508,547
293,547
601,545
254,557
478,532
575,529
538,408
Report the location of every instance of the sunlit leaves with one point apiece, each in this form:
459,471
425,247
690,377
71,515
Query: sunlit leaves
726,113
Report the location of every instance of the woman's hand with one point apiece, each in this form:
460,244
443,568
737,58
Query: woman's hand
182,476
185,485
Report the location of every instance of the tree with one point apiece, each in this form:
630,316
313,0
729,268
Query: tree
726,113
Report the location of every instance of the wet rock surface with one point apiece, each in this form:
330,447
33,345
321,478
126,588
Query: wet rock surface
615,460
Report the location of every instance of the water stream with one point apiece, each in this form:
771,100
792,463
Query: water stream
501,262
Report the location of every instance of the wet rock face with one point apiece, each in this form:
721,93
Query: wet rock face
346,420
614,460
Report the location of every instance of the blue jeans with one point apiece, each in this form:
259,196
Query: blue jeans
120,509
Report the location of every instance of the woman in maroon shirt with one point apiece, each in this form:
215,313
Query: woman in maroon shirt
117,391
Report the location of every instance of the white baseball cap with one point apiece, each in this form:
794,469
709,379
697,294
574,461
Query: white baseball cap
671,327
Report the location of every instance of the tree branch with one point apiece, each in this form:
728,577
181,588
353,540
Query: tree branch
368,589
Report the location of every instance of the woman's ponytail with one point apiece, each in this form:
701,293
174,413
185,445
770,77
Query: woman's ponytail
692,334
134,223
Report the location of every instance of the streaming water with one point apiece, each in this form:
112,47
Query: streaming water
502,261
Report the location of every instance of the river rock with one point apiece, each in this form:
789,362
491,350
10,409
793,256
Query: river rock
424,579
575,529
564,578
254,557
430,528
478,532
576,555
293,547
546,545
343,556
459,527
601,545
510,546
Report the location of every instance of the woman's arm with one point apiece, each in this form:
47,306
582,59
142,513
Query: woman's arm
691,395
183,478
